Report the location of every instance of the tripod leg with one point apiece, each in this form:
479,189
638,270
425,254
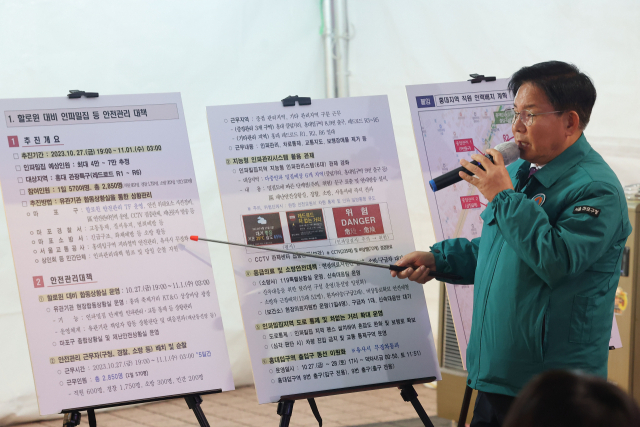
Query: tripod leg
409,394
193,402
465,406
285,409
71,419
314,409
91,414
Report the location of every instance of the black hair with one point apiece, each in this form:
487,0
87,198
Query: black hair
566,399
565,86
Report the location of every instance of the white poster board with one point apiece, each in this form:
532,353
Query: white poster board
320,178
100,196
451,121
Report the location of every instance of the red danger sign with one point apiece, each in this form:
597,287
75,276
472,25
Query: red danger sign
358,221
470,202
463,145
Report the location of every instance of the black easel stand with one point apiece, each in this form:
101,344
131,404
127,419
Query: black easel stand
72,416
285,409
409,394
72,419
464,410
91,414
193,402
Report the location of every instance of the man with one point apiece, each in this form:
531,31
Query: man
547,264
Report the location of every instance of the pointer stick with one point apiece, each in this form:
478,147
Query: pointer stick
437,275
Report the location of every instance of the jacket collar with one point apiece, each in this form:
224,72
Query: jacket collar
570,157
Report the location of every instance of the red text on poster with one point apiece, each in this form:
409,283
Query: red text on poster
470,202
463,145
358,220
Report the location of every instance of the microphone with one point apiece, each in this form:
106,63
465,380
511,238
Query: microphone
510,153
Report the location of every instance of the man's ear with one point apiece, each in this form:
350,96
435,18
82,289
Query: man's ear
571,123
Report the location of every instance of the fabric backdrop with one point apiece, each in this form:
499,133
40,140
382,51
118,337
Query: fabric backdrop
406,42
213,52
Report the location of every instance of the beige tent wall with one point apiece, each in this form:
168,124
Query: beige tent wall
213,52
244,51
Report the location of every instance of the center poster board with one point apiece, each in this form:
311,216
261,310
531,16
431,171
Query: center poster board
321,178
100,197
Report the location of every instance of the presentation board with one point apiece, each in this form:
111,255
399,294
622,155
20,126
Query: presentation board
451,121
321,178
100,197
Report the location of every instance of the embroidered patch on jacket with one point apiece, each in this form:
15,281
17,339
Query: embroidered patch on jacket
588,210
539,199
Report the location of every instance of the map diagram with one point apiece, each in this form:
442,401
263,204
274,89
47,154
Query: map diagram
447,137
452,121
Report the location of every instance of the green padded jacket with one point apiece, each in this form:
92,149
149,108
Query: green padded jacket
545,270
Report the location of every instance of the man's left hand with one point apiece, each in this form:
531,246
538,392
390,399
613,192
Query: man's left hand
493,179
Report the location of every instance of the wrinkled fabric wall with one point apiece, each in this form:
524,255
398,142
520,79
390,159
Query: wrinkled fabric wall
213,52
402,42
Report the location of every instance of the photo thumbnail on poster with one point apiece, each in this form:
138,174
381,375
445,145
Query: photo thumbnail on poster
352,221
306,225
263,229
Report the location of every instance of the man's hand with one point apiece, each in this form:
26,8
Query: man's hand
493,179
420,265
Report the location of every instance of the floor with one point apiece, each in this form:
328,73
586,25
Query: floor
239,408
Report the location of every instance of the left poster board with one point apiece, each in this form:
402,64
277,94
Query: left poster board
100,195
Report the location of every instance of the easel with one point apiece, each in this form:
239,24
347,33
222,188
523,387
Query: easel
72,416
464,410
408,393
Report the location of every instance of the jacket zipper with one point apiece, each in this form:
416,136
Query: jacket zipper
485,306
544,331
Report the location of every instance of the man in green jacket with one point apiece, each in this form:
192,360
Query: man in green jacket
547,264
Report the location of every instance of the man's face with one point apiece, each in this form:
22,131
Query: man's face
545,138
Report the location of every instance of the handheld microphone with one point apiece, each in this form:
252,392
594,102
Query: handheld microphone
509,151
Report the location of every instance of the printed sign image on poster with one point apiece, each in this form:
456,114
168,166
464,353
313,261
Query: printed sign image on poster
306,225
264,229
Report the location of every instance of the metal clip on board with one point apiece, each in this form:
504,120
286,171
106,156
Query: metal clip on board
290,101
477,78
74,93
